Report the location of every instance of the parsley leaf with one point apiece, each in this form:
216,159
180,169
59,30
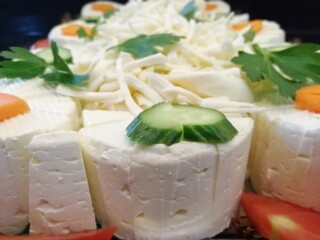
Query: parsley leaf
145,45
109,13
23,64
289,69
249,36
61,73
26,64
189,10
81,32
98,20
58,62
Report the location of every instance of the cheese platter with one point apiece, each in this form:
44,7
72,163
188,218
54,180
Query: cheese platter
149,117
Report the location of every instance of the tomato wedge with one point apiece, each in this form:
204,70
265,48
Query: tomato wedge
42,43
275,219
98,234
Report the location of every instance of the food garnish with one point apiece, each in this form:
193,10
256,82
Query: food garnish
11,106
97,234
168,124
145,45
211,6
23,64
109,13
256,25
82,33
72,29
288,69
308,98
102,7
276,219
189,10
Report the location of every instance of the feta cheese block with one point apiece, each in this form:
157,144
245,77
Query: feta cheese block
59,197
285,156
188,190
49,112
94,117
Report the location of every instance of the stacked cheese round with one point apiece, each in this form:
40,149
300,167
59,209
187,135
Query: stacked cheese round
185,191
285,152
49,112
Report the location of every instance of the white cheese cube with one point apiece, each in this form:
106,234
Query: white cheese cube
285,156
59,198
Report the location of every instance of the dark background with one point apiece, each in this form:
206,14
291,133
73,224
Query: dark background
24,21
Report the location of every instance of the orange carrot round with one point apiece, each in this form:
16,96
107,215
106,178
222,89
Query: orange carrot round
102,7
72,29
11,106
308,98
256,25
211,7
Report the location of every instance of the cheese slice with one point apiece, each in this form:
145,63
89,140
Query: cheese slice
185,191
284,161
60,201
15,135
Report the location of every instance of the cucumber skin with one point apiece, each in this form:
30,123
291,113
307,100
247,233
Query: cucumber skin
221,132
145,135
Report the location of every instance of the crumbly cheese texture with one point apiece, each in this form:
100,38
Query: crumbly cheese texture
185,191
49,112
60,201
284,160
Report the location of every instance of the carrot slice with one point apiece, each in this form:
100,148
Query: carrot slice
11,106
102,7
72,29
255,24
211,7
308,98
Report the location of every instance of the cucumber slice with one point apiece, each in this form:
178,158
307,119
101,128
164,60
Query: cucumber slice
168,124
46,54
204,124
158,124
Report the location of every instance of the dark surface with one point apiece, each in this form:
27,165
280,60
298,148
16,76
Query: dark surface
24,21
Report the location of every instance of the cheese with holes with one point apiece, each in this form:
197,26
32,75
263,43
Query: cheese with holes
284,158
185,191
60,201
49,112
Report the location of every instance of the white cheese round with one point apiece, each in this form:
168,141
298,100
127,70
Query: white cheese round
49,112
285,160
185,191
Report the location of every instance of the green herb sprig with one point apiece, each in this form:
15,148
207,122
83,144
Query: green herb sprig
289,69
83,34
189,10
145,45
21,63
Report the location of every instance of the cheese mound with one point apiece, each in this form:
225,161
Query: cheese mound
194,71
49,112
284,160
185,191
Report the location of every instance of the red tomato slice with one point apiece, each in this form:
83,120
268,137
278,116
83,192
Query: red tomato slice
98,234
275,219
42,43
